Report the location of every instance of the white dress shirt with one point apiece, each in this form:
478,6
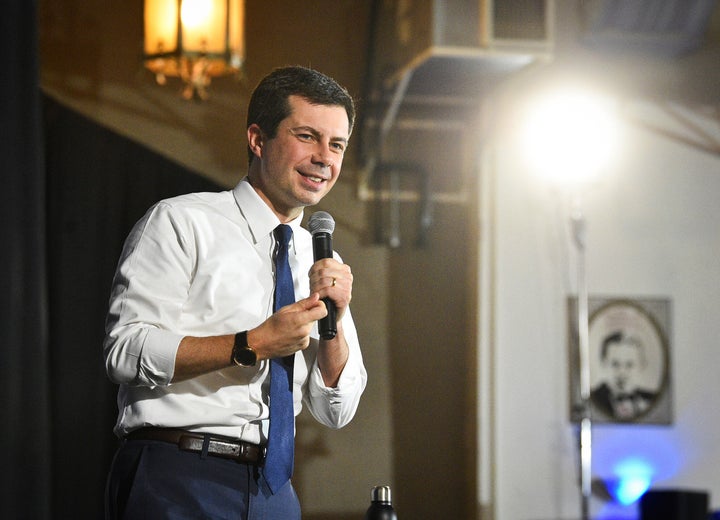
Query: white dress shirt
202,265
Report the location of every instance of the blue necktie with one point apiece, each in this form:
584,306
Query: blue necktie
280,448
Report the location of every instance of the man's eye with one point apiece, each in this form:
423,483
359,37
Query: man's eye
340,147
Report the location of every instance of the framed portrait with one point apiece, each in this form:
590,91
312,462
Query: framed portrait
629,358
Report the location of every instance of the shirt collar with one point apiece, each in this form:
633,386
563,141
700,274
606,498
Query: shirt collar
260,218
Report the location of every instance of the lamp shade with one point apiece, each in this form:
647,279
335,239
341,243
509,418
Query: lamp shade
194,39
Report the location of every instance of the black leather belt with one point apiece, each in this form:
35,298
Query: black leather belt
223,447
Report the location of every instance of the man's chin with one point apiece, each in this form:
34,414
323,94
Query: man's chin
310,199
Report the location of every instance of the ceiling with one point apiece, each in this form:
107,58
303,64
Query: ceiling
90,60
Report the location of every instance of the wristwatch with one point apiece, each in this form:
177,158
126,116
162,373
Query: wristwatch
242,354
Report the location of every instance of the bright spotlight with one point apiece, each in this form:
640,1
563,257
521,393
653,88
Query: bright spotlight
570,136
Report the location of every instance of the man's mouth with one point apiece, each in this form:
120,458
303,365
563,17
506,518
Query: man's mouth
312,177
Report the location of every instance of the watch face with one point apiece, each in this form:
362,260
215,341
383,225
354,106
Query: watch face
242,353
245,357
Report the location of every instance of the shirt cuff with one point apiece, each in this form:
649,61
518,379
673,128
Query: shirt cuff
157,363
350,379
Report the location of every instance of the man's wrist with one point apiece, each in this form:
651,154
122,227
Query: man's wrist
243,354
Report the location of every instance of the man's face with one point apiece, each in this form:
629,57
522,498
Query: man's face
300,165
622,362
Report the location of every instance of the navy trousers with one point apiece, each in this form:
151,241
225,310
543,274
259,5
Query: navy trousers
156,480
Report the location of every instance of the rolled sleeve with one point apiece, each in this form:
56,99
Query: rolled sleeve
335,407
149,290
144,357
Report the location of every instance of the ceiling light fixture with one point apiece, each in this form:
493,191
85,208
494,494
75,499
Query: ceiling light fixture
194,40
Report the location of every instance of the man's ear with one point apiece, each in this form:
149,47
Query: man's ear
256,139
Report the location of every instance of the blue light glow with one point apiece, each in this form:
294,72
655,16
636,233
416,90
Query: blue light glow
633,478
631,460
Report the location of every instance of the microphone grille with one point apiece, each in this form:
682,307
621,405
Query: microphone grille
321,222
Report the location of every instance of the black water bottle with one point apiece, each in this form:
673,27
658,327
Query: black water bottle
381,505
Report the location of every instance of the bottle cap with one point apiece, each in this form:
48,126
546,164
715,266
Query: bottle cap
381,494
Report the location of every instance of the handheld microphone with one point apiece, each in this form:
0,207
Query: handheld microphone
322,225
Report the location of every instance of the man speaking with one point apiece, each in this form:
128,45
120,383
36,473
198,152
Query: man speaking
211,330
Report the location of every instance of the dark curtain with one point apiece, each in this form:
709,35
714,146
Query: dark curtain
70,192
98,185
25,426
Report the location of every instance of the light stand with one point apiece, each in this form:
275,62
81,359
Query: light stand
577,225
570,137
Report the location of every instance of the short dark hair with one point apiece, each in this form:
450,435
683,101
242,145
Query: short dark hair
619,337
269,101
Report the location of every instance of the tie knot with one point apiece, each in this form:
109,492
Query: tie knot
283,234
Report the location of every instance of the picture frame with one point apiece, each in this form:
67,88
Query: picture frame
629,360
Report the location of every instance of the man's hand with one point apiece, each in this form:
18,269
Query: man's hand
332,279
282,334
288,330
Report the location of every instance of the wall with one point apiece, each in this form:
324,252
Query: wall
431,377
652,231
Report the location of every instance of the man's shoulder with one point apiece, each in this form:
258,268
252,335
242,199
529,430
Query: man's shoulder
194,204
190,207
201,198
600,392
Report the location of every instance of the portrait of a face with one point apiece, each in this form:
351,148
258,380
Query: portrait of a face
629,361
622,359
